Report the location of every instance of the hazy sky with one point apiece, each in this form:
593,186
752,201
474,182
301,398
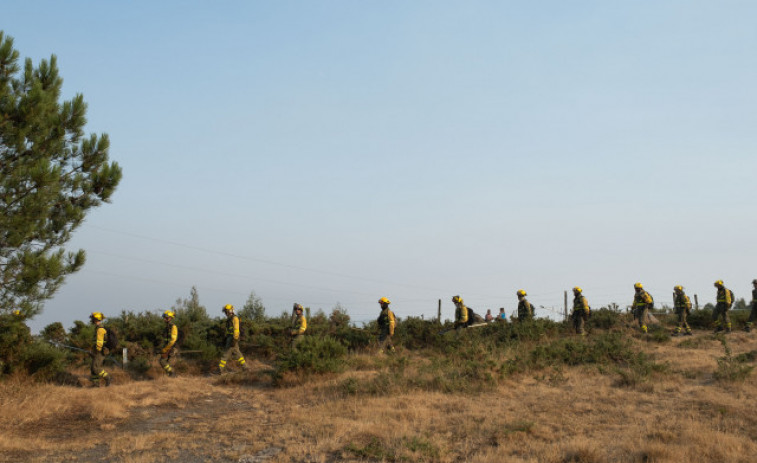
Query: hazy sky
337,152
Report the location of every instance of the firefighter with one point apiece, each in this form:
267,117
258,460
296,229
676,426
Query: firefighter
99,351
386,323
723,304
682,305
753,313
525,309
581,311
642,302
299,325
170,336
461,313
232,340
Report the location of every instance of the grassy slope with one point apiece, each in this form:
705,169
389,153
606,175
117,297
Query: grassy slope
588,413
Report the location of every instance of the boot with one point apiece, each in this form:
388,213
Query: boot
107,381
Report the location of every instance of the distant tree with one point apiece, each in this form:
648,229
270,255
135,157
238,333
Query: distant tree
190,310
54,332
339,317
50,176
253,309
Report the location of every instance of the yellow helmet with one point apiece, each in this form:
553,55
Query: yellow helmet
678,288
521,292
97,316
17,313
577,289
296,306
228,308
638,286
384,300
457,299
168,314
719,283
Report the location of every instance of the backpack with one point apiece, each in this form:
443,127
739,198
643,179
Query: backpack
111,339
733,297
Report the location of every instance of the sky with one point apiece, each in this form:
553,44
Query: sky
337,152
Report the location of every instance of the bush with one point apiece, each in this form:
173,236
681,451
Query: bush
44,361
700,319
729,368
314,355
15,338
605,319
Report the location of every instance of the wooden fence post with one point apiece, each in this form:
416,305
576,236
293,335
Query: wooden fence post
565,312
439,313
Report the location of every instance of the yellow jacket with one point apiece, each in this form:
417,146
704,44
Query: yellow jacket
580,303
461,314
724,295
232,327
386,320
681,301
641,299
172,334
99,338
299,326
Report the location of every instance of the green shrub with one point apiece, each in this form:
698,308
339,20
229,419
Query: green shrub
15,339
416,333
604,319
43,361
314,355
729,368
700,319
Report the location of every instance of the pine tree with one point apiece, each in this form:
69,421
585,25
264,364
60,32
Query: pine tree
253,309
51,174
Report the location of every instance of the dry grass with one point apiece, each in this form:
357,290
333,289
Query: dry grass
562,414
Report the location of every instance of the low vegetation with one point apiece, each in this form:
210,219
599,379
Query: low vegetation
529,391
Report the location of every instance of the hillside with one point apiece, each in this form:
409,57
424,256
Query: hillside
548,400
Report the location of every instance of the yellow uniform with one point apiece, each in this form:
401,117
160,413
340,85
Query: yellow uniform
682,305
722,306
386,323
299,326
232,343
171,335
98,356
580,313
642,302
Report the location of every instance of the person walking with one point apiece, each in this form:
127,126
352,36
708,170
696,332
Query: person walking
170,336
99,351
461,313
231,343
753,312
580,314
386,323
642,303
525,309
722,305
299,325
682,305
